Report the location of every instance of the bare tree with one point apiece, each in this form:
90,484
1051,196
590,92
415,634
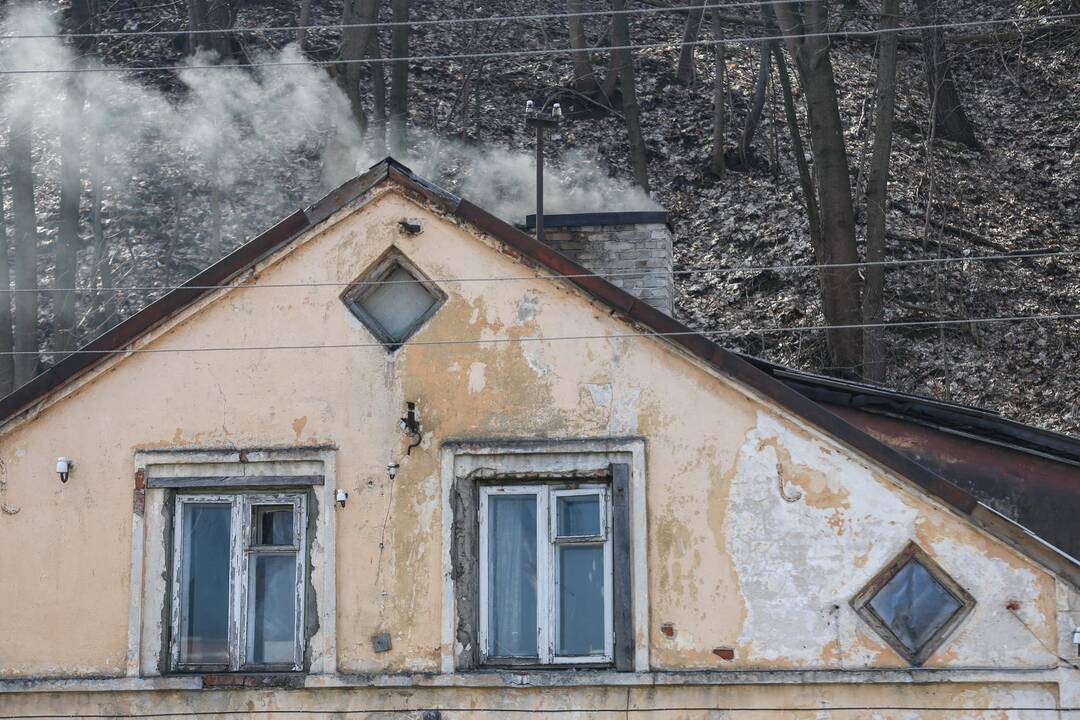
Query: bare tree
720,94
584,76
804,27
399,78
684,72
206,16
949,118
806,180
7,340
877,193
355,46
757,106
303,22
620,31
26,243
67,241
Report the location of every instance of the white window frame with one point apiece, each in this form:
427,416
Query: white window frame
241,550
548,542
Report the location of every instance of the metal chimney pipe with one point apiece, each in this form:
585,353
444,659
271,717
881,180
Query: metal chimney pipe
539,121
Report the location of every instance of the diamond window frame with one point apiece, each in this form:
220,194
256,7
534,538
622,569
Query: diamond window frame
354,295
912,553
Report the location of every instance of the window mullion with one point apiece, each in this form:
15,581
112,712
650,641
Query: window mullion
238,582
545,591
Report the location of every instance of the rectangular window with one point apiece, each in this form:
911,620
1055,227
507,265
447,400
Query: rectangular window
546,574
239,570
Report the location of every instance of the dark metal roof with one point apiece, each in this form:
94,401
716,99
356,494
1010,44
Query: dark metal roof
962,420
651,217
532,252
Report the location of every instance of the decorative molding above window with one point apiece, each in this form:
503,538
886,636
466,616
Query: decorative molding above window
913,604
393,299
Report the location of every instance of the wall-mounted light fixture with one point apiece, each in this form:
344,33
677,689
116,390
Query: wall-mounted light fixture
340,496
410,423
63,467
391,470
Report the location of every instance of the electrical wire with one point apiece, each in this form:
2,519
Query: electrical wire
567,711
562,338
398,23
714,270
546,51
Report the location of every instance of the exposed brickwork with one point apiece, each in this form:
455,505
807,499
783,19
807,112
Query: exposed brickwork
637,258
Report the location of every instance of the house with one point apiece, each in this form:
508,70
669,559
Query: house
396,458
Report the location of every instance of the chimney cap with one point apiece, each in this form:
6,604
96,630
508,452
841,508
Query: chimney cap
648,217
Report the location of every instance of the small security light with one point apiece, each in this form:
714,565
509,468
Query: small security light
529,106
63,467
340,496
391,470
1076,640
556,110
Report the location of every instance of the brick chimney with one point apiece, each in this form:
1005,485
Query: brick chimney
630,249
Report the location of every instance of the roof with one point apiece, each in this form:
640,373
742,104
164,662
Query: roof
531,251
1026,473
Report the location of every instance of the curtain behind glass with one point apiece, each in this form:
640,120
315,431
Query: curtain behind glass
512,579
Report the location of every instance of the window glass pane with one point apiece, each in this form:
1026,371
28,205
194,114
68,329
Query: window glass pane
272,609
578,515
581,600
398,305
512,576
914,605
273,525
204,583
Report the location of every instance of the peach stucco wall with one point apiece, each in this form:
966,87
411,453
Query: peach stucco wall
759,528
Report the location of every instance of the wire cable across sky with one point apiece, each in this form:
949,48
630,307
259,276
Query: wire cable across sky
539,52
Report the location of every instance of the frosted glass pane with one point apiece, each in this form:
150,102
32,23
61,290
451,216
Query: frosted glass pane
398,305
204,583
512,578
579,515
272,610
581,600
914,605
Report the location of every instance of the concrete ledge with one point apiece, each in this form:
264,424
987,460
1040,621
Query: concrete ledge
556,678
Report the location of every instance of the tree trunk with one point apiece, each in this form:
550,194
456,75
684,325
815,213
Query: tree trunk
621,35
949,118
206,15
684,72
720,93
100,263
584,78
304,21
753,118
7,339
877,195
803,30
355,42
26,251
67,241
399,79
806,179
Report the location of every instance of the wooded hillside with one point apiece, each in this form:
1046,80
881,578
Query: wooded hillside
958,140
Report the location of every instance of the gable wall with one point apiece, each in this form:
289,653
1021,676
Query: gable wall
760,530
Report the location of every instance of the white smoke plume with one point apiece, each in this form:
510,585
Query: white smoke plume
263,141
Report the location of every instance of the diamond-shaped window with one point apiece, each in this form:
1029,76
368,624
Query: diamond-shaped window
913,604
393,300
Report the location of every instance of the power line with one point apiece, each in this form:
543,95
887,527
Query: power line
562,338
567,711
410,23
548,51
713,270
